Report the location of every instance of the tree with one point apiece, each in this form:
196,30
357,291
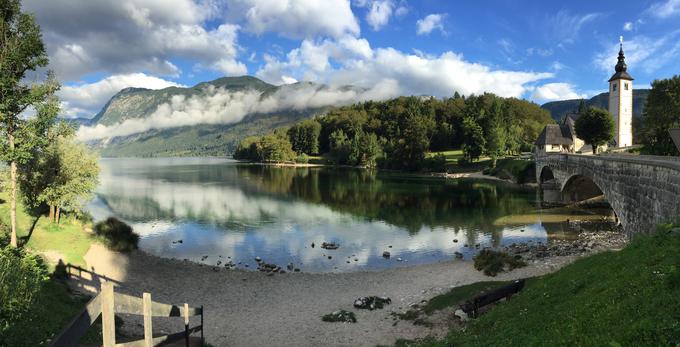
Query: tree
595,127
304,136
474,142
661,113
21,51
497,134
74,176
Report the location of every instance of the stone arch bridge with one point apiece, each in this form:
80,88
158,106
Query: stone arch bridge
642,190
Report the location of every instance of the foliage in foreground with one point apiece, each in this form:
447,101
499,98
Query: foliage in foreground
624,298
116,235
492,262
21,276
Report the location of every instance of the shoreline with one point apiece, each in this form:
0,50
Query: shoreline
252,308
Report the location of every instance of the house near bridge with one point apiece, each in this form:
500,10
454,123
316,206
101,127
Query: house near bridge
561,138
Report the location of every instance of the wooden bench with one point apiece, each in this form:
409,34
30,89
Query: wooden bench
471,307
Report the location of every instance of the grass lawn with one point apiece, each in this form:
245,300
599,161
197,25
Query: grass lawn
625,298
452,165
54,304
66,238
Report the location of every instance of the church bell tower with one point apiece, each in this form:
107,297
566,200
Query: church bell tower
621,102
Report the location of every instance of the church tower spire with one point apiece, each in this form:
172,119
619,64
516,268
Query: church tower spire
621,101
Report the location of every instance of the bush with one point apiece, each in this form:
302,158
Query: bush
437,163
302,159
116,235
22,276
493,262
463,161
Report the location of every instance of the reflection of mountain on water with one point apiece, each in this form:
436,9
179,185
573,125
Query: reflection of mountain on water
238,196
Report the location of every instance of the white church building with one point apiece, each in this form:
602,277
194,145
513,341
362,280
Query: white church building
561,138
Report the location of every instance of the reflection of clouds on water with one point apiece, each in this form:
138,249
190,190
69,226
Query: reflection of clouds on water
221,216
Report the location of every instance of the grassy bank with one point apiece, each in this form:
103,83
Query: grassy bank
624,298
66,240
53,304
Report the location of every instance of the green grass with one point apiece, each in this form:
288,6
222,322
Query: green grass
458,295
625,298
54,305
66,238
53,308
452,165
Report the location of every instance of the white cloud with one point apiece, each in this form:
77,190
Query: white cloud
665,9
86,99
628,26
642,53
219,106
565,26
400,73
132,36
295,19
379,14
556,91
429,23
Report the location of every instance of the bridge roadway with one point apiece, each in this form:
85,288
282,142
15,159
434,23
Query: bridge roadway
642,190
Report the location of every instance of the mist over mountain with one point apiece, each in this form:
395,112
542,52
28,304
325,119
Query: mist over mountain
210,117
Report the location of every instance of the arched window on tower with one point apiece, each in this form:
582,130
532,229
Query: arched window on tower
625,86
614,87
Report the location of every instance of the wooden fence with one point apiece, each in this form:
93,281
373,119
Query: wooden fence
107,303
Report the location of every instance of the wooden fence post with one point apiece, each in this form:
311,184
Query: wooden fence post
148,320
186,324
108,316
202,328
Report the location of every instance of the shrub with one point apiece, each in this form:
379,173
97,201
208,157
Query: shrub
463,161
302,159
437,163
493,262
22,276
116,235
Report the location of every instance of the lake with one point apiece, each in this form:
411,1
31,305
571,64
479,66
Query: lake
213,209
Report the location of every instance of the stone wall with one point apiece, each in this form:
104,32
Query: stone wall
643,191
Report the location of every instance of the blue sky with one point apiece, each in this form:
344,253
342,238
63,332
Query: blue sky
537,50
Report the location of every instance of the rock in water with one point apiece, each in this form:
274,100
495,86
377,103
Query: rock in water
329,245
458,255
386,254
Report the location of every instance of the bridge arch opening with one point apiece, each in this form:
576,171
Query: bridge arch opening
580,188
546,175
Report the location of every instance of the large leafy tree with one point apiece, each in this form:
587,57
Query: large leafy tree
72,174
595,127
304,136
21,51
662,112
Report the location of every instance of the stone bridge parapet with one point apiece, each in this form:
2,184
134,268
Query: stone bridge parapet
642,190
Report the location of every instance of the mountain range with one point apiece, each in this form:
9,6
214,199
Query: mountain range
210,118
559,109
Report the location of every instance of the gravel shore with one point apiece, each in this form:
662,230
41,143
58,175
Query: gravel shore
248,308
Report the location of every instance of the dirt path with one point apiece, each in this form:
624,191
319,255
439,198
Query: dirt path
252,309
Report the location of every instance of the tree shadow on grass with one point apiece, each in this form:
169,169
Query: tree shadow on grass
25,239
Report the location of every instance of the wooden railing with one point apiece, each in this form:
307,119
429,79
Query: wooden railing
107,303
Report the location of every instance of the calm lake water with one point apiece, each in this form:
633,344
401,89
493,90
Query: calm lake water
219,207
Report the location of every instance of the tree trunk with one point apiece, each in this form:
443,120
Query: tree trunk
58,214
52,213
12,194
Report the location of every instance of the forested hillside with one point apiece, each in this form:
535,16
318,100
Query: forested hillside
398,133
